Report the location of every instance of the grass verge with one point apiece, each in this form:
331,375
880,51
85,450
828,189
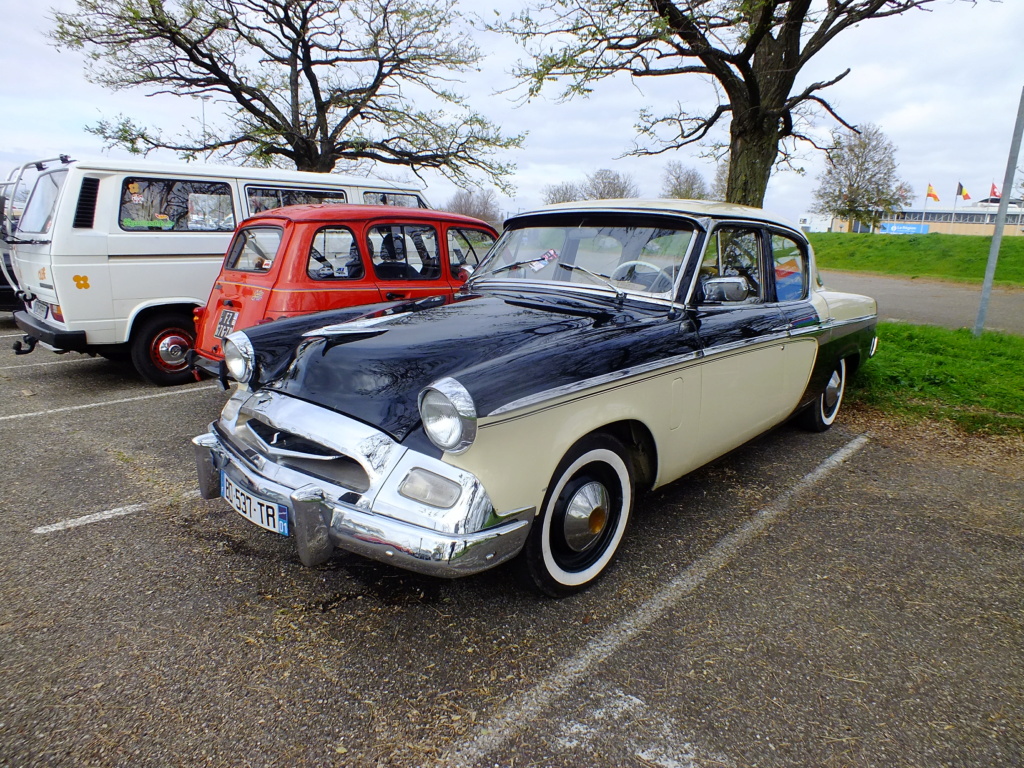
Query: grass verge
962,258
926,372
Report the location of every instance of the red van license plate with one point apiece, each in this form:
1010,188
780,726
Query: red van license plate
225,323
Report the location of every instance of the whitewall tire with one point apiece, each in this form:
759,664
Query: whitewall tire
584,517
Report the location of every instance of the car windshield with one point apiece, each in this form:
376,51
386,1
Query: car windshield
624,256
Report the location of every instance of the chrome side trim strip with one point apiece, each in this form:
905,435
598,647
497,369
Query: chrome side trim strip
658,367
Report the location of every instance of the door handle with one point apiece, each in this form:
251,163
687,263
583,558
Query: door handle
392,296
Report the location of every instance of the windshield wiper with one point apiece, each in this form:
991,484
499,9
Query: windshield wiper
507,267
619,293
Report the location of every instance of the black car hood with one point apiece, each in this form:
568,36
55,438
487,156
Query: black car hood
500,349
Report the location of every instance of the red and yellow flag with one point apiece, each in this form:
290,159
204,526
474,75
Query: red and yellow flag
932,194
961,192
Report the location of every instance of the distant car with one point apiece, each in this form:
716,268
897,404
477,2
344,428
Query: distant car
308,258
600,350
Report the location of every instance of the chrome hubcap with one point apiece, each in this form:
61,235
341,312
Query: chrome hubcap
832,390
171,350
586,516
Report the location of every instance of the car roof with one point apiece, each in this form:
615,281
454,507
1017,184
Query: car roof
359,212
694,208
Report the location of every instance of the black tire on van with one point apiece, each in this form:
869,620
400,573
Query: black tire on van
159,344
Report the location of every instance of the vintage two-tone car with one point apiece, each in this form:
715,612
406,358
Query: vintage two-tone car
601,349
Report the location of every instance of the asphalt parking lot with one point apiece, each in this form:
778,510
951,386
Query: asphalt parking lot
845,599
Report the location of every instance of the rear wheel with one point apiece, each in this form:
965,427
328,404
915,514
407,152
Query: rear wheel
159,346
823,411
583,520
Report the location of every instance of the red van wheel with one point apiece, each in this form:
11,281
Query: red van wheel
159,346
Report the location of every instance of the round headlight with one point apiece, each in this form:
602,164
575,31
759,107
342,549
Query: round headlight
239,357
449,415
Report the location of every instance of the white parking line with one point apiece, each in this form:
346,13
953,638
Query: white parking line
109,402
12,336
55,362
523,710
74,522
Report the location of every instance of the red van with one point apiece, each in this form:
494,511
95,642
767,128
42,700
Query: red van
307,258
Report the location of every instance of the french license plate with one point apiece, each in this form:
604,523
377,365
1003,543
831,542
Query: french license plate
265,514
225,323
38,308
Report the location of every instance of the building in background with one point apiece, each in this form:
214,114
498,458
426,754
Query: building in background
975,219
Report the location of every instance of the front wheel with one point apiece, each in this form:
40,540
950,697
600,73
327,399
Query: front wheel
823,411
159,345
583,520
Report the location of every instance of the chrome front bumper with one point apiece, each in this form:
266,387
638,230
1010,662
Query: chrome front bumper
379,522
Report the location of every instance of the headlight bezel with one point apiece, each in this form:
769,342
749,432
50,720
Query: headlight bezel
457,397
239,357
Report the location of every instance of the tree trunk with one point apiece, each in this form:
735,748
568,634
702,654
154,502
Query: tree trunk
753,147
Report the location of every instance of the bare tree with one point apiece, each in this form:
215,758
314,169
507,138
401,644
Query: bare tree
753,51
564,192
478,203
860,182
720,184
683,183
605,184
309,83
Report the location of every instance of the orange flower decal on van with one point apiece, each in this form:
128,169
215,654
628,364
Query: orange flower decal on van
81,282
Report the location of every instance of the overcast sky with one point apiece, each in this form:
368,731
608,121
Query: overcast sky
943,85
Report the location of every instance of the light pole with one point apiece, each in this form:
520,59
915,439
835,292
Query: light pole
202,108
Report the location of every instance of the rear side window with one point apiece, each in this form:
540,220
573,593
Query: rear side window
401,199
790,269
405,252
268,198
334,255
42,203
175,205
254,249
466,247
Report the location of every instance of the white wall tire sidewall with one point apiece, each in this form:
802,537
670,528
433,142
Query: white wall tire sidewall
826,418
577,578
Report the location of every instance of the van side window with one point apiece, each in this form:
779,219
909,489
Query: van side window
401,199
268,198
254,249
405,252
465,249
790,268
175,205
334,255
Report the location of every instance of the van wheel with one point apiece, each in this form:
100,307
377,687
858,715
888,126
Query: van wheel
159,345
583,520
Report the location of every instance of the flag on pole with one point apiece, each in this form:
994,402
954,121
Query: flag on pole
994,192
932,193
961,192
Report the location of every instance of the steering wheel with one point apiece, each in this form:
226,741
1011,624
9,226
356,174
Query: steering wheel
661,273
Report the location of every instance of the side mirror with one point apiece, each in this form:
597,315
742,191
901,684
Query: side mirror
717,289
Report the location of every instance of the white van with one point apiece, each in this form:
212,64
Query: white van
111,257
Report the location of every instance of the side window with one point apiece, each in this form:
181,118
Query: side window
268,198
405,252
175,205
731,269
254,249
790,268
465,249
401,199
334,255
